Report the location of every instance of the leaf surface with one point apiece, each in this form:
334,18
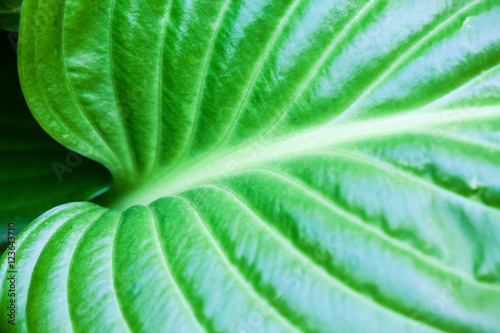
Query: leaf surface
279,166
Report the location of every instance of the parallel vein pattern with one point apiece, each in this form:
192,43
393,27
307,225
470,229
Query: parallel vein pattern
248,70
278,248
279,166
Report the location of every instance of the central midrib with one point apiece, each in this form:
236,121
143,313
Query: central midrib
218,165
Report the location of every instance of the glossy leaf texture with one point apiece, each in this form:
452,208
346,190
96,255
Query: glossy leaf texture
279,166
36,173
9,14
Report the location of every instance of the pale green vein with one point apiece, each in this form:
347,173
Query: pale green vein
42,90
26,235
73,256
402,58
354,219
130,150
319,137
74,217
453,137
117,298
320,270
319,64
401,246
188,307
72,92
196,112
160,88
252,290
390,168
258,69
467,84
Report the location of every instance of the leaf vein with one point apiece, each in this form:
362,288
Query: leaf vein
378,233
131,151
258,69
318,66
389,167
310,262
187,305
203,80
160,87
403,57
249,286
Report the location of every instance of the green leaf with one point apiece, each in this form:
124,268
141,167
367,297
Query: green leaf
9,14
278,166
36,173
